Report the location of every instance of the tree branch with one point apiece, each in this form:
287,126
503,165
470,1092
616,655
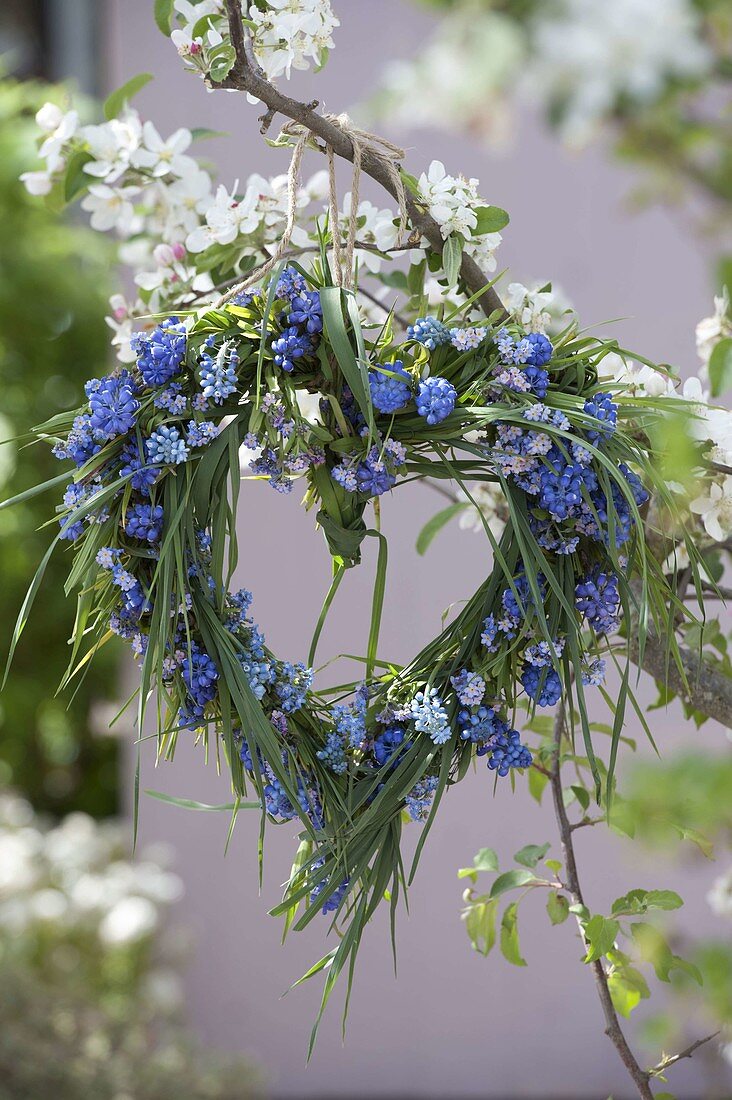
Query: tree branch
613,1029
688,1052
247,76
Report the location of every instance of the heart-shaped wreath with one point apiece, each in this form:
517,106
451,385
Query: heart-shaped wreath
151,513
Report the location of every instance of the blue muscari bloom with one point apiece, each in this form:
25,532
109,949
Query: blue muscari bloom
289,347
390,392
601,407
469,687
420,797
518,603
260,674
80,444
350,719
541,349
166,447
291,283
199,674
561,484
113,405
387,743
543,685
333,753
292,685
435,399
144,521
507,752
430,332
142,475
306,312
218,375
538,380
334,900
479,725
201,433
373,476
430,717
160,355
597,597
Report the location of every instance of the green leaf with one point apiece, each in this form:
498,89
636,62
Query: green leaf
557,907
600,933
354,372
163,12
509,880
204,133
491,219
530,855
537,783
190,804
435,524
581,795
720,367
627,988
636,902
76,179
509,936
654,949
480,924
114,103
452,254
221,62
485,860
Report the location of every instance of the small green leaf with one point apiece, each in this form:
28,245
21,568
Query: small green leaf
491,219
204,133
509,936
720,367
434,525
636,902
557,907
480,924
163,12
554,865
221,62
627,988
537,784
76,179
485,860
452,254
114,103
600,933
530,854
509,880
581,795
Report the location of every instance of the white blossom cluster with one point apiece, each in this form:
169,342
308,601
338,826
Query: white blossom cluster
286,35
289,34
73,881
719,897
454,203
588,56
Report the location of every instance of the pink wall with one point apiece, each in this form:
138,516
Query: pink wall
451,1024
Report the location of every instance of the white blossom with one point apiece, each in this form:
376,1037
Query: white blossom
110,207
714,506
112,145
451,199
37,183
491,505
163,157
711,330
226,218
375,227
187,199
289,34
529,307
60,128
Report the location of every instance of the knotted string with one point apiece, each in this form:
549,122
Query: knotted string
362,141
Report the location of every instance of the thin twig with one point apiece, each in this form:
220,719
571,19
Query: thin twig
688,1052
613,1029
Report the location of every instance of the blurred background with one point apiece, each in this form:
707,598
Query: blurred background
161,974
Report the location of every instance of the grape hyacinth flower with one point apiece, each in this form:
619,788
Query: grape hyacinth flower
113,405
145,522
543,685
601,407
389,392
420,797
306,312
430,332
430,717
160,355
598,599
507,752
387,743
218,376
166,447
435,399
289,347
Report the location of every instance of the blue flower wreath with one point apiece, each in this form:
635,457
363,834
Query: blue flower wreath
151,513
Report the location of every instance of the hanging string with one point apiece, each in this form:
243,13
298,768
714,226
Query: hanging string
362,141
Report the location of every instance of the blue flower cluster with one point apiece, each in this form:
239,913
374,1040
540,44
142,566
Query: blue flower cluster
430,717
145,522
302,321
390,391
420,798
160,355
349,732
598,599
430,332
523,361
113,405
373,474
435,399
217,374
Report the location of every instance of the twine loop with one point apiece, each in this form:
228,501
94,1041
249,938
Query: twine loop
362,141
